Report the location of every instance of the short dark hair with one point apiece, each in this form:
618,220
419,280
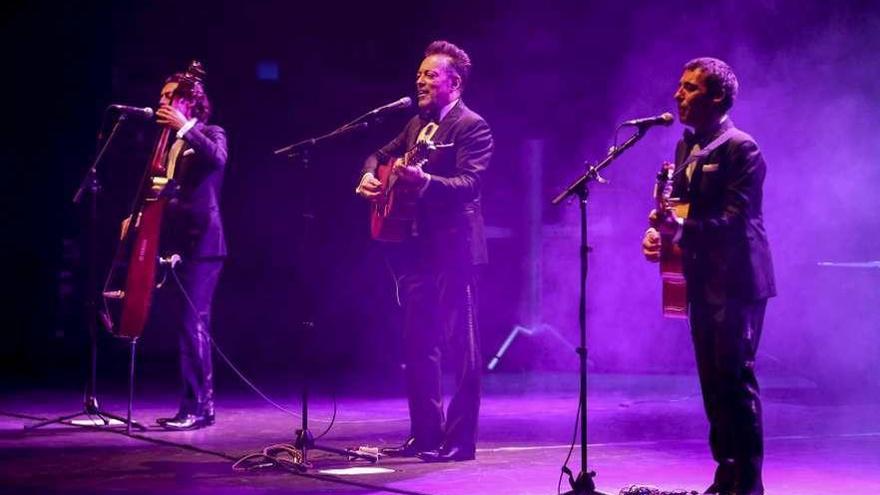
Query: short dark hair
459,58
192,90
720,78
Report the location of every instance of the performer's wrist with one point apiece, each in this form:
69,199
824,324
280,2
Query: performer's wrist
186,127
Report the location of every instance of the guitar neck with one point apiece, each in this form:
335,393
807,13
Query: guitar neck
408,156
414,156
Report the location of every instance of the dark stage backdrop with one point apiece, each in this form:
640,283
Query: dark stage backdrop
553,80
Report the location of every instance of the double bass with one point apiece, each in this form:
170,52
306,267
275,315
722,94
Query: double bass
127,309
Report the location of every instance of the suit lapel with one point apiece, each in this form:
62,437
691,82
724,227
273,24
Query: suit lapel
448,123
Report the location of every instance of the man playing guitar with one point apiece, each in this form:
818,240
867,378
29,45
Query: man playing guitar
727,266
437,260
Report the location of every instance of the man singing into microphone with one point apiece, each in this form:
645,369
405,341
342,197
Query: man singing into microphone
727,267
436,267
192,228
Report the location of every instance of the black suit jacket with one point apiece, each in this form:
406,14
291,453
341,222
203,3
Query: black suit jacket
449,218
193,226
726,253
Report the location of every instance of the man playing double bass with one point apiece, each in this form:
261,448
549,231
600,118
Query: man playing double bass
727,267
436,266
192,228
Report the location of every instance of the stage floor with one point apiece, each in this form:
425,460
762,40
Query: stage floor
643,429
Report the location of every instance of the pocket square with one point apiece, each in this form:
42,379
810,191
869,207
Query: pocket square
193,152
710,167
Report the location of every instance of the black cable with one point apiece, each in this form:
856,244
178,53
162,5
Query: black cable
235,368
332,421
288,466
22,416
574,435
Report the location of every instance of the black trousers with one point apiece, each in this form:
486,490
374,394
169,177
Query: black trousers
726,338
439,302
199,280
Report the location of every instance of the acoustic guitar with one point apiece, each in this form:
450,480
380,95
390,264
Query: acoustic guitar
671,267
393,215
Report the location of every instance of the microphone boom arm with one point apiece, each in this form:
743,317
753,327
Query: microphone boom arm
354,125
347,128
593,171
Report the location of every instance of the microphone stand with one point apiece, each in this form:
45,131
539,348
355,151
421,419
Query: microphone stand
584,484
305,440
91,186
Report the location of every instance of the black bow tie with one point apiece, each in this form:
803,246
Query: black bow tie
690,138
427,117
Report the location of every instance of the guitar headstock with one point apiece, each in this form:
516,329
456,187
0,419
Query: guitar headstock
427,145
663,189
665,172
417,156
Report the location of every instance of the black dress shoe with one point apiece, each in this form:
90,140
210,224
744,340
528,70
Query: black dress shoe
723,482
177,417
189,422
719,489
449,454
754,490
748,478
410,448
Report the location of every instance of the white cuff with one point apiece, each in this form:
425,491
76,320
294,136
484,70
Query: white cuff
186,127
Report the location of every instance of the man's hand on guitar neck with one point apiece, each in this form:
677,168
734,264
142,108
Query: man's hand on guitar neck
651,245
413,176
668,225
369,188
651,240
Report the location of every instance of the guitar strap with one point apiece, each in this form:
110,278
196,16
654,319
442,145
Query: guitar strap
699,155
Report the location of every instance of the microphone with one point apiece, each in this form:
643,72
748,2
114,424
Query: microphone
144,113
400,104
643,123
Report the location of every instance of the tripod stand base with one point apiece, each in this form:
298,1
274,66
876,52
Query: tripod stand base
90,409
583,485
306,442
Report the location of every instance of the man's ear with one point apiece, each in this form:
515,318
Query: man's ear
717,99
189,108
456,82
